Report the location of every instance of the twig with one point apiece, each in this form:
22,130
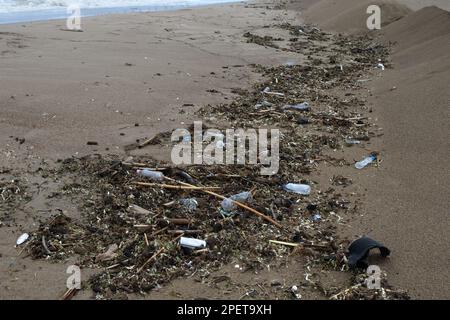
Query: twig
289,244
196,252
158,232
334,297
146,142
69,294
150,259
179,221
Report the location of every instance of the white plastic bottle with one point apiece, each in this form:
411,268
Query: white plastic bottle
364,162
303,189
153,175
192,243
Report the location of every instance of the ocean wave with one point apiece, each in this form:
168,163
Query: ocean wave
10,6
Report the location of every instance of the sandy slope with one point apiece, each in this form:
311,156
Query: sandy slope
411,192
408,197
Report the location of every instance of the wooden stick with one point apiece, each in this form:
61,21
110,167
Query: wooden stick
150,259
143,227
146,142
169,186
158,232
235,202
201,251
69,294
184,231
290,244
179,221
156,254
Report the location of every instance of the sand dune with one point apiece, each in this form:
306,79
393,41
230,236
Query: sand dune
346,16
420,37
407,198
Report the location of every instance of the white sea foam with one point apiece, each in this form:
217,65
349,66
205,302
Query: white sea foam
11,6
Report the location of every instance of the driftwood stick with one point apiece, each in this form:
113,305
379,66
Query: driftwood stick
169,186
150,259
179,221
235,202
147,142
184,231
156,254
69,294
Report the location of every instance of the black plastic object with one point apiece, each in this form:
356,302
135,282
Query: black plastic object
359,250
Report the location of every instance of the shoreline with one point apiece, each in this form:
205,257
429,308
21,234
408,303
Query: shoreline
56,14
187,94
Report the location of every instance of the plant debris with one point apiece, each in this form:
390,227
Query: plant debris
129,227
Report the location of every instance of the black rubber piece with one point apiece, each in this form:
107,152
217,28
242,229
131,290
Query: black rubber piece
359,250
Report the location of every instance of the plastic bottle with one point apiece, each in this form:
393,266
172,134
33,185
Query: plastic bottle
190,204
301,106
153,175
303,189
228,205
350,142
192,243
364,162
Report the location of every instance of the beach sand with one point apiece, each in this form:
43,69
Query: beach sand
128,77
408,196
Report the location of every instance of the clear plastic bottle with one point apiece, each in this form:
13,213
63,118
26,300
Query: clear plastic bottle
190,204
303,189
228,205
153,175
350,142
301,106
364,162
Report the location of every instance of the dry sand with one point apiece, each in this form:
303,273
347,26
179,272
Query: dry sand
60,89
408,197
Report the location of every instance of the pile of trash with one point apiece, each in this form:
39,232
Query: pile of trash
145,222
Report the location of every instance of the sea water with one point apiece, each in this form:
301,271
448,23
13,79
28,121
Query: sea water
13,11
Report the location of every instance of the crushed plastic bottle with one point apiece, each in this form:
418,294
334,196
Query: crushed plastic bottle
153,175
267,91
228,205
263,104
300,106
350,142
190,204
364,162
192,243
303,189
